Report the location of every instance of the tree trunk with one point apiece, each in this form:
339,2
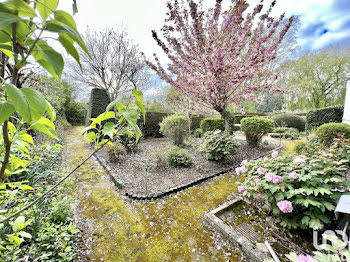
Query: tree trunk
226,116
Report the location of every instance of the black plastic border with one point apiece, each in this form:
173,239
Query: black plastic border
193,183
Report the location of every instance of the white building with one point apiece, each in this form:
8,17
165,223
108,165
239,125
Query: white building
346,116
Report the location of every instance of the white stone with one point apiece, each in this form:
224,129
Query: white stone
346,116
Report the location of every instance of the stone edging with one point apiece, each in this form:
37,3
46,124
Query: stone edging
191,184
234,237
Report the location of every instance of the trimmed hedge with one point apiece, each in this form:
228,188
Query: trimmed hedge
327,132
290,120
255,127
99,100
318,117
211,124
76,113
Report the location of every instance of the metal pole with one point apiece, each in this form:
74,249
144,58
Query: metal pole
272,252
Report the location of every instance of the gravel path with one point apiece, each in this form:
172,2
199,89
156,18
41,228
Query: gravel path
114,228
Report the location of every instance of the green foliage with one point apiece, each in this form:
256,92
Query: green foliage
76,113
211,124
116,151
175,127
285,132
255,127
318,117
216,145
179,157
327,132
311,180
99,100
290,120
198,132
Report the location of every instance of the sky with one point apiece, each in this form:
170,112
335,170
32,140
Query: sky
323,22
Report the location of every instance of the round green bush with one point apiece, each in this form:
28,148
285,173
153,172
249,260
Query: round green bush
217,145
327,132
290,120
255,127
198,132
211,124
175,127
179,157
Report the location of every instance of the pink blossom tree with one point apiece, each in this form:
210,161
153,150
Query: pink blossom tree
218,58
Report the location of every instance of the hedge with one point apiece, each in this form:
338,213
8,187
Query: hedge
290,120
327,132
99,100
318,117
211,124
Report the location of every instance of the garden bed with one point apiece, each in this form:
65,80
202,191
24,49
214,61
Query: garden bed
131,170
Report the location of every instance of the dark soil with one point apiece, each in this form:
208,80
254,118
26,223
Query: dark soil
152,154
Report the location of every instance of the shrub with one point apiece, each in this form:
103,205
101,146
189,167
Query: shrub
217,145
198,132
302,190
151,127
99,100
290,120
76,113
116,151
211,124
179,157
159,157
327,132
318,117
175,127
255,127
285,132
129,142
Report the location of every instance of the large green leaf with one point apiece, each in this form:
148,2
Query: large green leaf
65,18
6,48
6,18
131,117
6,110
68,44
18,7
4,36
58,27
102,117
138,94
19,101
52,57
51,111
36,102
45,130
46,7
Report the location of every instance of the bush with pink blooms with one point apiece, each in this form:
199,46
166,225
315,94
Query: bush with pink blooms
301,190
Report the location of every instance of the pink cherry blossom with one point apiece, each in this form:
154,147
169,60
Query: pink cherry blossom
293,175
261,170
276,179
269,177
260,196
302,258
238,171
240,189
243,169
274,154
285,206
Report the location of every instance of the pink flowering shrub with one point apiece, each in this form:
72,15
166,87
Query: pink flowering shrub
302,189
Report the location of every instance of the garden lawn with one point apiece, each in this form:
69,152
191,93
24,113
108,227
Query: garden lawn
114,228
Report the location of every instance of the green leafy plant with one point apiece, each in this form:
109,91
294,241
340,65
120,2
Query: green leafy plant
255,127
216,145
212,124
301,189
179,157
198,132
328,132
290,120
175,127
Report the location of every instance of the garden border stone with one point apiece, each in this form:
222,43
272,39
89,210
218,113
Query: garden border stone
234,237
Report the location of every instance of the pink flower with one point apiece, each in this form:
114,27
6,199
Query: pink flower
277,179
269,177
260,196
243,169
302,258
244,162
293,175
238,171
257,180
242,111
274,154
299,160
261,170
240,189
285,206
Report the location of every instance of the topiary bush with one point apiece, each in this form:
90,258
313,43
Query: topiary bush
290,120
179,157
217,145
255,127
175,127
318,117
211,124
99,100
198,132
327,132
76,113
